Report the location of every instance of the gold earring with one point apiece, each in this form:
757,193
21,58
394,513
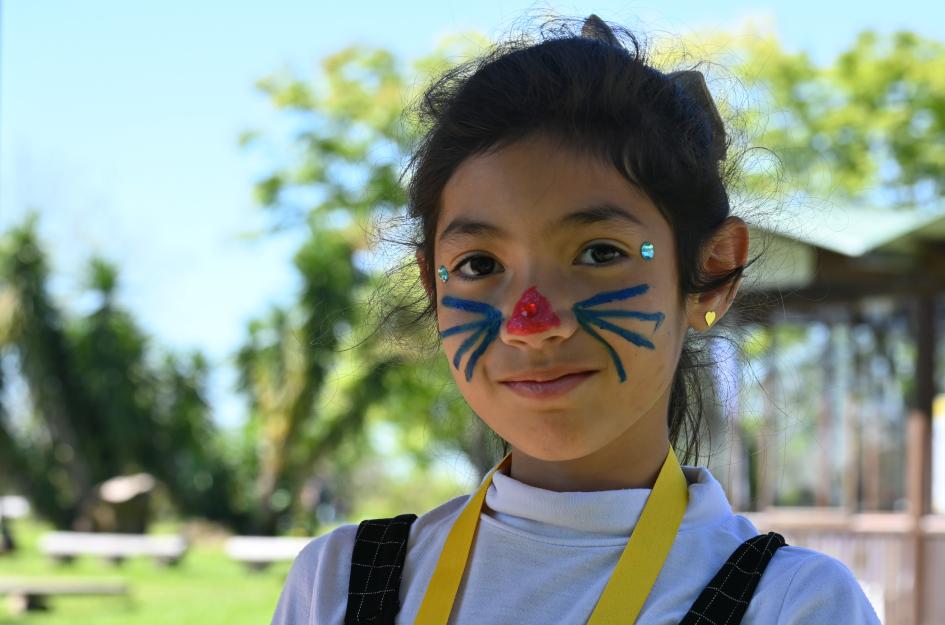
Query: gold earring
710,318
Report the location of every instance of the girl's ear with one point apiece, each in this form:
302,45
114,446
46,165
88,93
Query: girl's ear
725,251
421,262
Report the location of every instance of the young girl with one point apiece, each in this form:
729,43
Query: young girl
575,232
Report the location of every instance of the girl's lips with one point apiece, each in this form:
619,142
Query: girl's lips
552,388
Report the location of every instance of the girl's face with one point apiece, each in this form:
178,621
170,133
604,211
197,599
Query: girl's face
530,284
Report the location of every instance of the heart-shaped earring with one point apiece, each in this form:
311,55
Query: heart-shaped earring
710,318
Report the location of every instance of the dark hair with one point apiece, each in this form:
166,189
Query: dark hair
604,99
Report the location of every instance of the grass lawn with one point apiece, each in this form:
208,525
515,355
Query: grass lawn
205,588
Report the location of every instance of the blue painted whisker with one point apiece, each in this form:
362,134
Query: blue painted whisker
633,337
612,296
486,328
587,317
468,343
613,353
635,314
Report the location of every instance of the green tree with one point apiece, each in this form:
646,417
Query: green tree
283,368
348,144
102,407
869,123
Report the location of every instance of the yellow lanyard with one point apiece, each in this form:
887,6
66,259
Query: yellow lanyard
632,579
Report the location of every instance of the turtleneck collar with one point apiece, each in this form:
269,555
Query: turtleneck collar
608,513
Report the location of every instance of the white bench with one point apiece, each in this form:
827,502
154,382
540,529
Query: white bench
258,552
31,594
65,546
14,507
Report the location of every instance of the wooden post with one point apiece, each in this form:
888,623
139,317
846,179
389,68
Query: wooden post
768,432
916,484
919,466
851,428
825,420
925,384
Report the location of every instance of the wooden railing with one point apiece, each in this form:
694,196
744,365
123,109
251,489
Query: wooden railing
880,548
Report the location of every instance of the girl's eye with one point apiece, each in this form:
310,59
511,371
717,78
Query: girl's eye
607,248
481,264
476,262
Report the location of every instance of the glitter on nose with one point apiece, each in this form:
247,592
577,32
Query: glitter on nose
533,313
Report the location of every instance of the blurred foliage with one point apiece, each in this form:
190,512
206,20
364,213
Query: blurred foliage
349,135
100,407
346,148
870,122
284,366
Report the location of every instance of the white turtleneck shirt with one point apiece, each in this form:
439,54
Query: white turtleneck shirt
542,556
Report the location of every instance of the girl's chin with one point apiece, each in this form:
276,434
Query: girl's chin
551,444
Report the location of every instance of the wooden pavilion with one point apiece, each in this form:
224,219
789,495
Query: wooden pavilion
883,270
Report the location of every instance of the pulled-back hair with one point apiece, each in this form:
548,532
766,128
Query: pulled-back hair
600,97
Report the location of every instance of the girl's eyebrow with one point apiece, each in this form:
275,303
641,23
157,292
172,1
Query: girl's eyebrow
595,213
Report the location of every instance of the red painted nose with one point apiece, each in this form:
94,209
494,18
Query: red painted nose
532,314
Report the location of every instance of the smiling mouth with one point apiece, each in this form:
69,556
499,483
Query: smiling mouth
550,388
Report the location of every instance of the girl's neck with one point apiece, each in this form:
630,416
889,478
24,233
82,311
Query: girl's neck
630,461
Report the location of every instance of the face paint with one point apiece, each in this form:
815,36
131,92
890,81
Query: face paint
487,327
585,316
541,316
533,313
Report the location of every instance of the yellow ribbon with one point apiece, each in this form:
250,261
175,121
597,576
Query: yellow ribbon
629,584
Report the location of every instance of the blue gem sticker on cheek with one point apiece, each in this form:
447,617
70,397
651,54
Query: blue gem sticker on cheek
488,328
443,273
647,251
586,316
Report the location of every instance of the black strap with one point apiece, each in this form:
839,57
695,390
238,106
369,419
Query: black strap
725,600
376,567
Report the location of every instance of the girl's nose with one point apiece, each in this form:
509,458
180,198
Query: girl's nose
532,314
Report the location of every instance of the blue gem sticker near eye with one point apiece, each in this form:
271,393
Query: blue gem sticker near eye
443,273
647,251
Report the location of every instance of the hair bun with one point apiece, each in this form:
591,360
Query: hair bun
692,82
595,28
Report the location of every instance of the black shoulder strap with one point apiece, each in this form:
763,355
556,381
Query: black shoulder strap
726,597
377,562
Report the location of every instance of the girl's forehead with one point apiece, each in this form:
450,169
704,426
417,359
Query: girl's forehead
539,186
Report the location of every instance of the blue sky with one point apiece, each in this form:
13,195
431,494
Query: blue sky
119,123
